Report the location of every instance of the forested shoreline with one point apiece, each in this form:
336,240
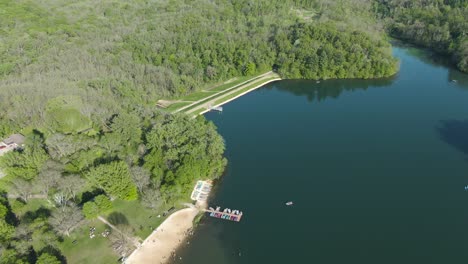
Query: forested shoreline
441,25
80,80
138,52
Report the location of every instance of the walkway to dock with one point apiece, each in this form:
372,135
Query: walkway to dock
203,105
221,92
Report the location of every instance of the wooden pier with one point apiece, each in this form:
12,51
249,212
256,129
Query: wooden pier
226,214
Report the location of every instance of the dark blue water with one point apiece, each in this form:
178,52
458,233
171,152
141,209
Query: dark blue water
376,170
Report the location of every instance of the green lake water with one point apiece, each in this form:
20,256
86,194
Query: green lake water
376,170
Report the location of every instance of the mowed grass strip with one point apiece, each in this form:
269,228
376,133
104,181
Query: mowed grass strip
173,107
206,93
226,90
197,95
230,84
240,91
135,215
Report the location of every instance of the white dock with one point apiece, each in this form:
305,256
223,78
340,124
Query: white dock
217,108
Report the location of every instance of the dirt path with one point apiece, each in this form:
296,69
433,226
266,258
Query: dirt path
133,239
158,247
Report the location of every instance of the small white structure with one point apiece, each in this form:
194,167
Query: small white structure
13,142
218,108
201,191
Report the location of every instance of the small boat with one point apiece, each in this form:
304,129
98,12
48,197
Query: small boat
454,80
289,203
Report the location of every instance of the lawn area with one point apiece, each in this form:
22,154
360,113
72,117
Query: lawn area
206,100
230,84
197,96
141,219
87,250
222,89
98,250
198,111
243,90
33,205
176,106
134,214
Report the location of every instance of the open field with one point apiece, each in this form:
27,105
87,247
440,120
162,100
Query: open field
173,107
230,84
86,249
197,96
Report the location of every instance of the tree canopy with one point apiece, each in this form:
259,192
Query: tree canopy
114,178
438,24
80,80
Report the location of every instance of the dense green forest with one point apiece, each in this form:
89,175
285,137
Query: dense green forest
441,25
140,51
154,160
80,80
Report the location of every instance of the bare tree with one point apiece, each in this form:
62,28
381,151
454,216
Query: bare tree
23,239
49,176
121,241
71,186
151,198
141,177
59,146
21,188
66,218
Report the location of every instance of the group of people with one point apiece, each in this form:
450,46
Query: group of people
92,229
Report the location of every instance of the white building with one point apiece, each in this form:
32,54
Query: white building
201,191
13,142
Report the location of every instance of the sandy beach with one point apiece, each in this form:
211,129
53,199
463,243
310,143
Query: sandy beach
157,248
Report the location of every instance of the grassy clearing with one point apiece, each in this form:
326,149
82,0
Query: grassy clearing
132,213
198,111
197,95
304,14
202,95
226,90
230,84
142,220
87,250
97,250
175,106
20,209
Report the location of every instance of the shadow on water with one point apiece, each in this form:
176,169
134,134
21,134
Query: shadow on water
321,90
454,75
454,133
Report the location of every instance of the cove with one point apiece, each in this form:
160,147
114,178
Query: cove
376,170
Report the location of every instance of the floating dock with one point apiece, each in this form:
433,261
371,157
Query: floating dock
218,108
226,214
